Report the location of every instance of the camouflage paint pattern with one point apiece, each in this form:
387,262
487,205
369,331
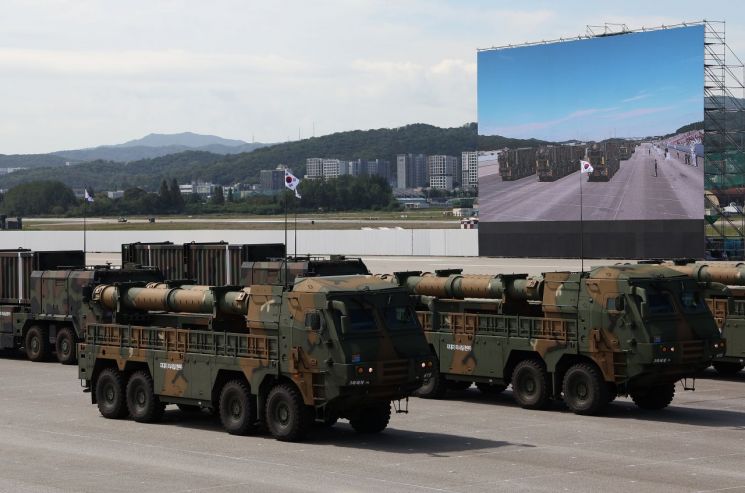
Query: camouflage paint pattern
725,295
558,161
605,161
338,366
57,299
641,325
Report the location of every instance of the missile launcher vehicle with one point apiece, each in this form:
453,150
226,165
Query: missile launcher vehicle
322,349
554,162
39,307
724,286
582,337
604,157
517,163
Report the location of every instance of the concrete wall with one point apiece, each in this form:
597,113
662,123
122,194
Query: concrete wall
439,242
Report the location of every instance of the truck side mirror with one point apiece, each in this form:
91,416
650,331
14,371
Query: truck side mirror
313,321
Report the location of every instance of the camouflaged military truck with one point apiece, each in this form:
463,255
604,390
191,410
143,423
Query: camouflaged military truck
38,307
604,157
581,337
724,286
326,348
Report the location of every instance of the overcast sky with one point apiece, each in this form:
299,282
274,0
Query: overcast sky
85,73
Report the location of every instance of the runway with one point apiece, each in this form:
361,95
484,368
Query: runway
53,440
636,192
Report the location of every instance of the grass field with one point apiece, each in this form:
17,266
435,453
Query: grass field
418,219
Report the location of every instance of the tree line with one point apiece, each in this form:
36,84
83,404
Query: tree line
49,197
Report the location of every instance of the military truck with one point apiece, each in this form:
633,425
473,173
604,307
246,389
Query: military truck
211,263
605,161
285,270
554,162
582,337
516,163
323,349
44,317
724,286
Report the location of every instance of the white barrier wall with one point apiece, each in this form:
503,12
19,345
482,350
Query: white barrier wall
436,242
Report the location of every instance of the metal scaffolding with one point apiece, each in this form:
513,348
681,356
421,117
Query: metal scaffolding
724,144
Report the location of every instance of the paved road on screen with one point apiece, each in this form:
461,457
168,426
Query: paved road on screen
634,193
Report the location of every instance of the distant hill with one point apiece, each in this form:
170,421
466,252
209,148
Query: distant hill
383,143
157,145
185,139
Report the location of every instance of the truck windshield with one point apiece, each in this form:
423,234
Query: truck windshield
692,302
361,318
659,303
400,318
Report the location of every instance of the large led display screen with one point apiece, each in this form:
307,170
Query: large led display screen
593,147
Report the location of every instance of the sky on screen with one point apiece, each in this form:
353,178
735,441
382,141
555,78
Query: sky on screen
634,85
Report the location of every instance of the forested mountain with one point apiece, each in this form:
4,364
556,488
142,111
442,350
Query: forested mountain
157,145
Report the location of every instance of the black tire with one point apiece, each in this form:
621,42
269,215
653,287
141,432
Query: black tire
728,369
237,408
287,417
66,346
530,385
654,398
459,385
435,387
37,343
372,419
110,394
490,389
585,390
144,406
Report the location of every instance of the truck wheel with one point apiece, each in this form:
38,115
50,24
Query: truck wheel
287,418
585,391
372,419
37,343
144,406
654,398
530,384
435,387
490,389
110,394
237,408
728,369
65,346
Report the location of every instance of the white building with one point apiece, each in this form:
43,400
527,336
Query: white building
314,168
334,168
441,171
470,163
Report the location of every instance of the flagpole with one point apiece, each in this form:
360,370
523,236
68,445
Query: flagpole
286,257
581,229
295,234
85,244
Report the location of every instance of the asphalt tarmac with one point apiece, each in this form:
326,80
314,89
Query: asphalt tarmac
52,440
636,192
